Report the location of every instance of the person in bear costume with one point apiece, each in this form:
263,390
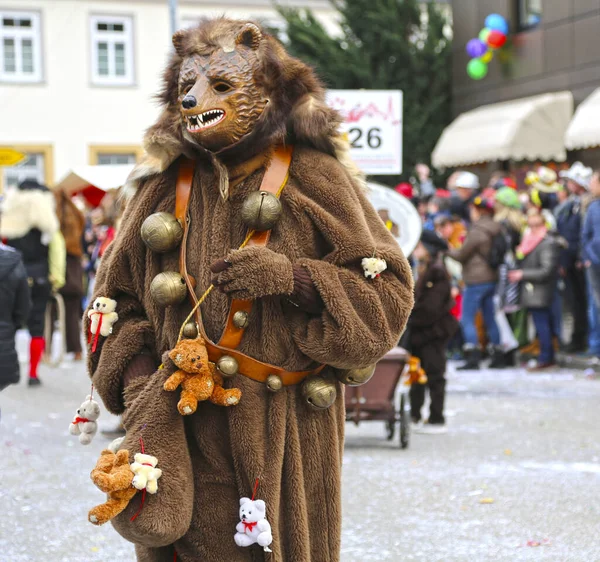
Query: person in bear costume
231,96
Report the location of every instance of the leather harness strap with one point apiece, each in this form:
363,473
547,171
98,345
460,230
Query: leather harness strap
185,179
274,181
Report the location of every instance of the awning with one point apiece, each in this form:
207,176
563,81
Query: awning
583,131
92,182
524,129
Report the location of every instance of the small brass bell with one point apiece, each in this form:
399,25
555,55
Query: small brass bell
356,377
168,288
190,330
320,392
161,232
261,211
227,366
274,383
240,319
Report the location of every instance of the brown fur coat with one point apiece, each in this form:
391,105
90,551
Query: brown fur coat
211,459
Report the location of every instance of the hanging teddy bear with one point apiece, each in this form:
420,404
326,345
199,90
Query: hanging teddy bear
373,267
198,378
145,471
102,317
253,526
113,476
84,423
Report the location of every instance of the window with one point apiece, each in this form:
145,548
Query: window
33,167
529,14
112,50
104,159
20,47
106,154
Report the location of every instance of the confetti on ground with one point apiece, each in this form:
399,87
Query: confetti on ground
475,493
533,543
508,452
486,500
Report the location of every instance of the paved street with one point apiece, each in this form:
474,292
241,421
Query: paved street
519,467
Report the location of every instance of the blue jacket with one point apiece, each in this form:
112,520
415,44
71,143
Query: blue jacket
568,225
590,235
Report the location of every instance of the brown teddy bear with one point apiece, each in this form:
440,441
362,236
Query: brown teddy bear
113,475
198,378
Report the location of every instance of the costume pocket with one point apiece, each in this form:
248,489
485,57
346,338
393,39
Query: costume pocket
151,414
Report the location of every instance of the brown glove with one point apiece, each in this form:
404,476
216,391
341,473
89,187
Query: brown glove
256,272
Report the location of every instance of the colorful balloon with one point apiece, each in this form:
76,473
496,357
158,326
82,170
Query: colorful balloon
484,34
487,57
496,39
496,22
476,48
477,69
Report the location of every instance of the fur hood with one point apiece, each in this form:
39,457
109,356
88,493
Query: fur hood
297,112
25,210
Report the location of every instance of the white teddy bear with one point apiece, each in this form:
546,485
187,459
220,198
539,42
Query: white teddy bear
373,267
84,423
253,527
146,474
103,315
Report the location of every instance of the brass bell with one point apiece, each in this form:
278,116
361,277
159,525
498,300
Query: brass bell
320,392
227,366
274,383
261,211
356,377
190,330
168,288
240,319
162,232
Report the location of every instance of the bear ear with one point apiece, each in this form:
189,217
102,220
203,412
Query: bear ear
244,500
249,36
260,504
178,38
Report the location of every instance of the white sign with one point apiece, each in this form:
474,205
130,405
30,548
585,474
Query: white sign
373,122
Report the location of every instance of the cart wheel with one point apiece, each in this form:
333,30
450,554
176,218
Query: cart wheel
404,423
391,429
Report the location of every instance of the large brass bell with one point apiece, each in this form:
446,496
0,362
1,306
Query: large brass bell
356,377
261,211
190,331
227,366
319,391
168,288
162,232
274,383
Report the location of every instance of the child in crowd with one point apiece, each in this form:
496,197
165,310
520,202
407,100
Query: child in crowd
431,326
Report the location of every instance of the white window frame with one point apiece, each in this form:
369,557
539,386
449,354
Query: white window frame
112,37
18,34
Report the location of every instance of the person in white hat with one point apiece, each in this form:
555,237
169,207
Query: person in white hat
465,187
568,225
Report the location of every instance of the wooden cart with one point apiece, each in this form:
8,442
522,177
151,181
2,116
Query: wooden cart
378,399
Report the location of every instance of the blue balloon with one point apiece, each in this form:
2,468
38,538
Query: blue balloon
496,22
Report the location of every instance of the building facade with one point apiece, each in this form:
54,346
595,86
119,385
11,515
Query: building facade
78,77
555,47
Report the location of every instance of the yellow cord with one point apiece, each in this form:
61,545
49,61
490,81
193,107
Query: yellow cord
208,291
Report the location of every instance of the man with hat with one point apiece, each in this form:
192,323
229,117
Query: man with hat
568,224
466,188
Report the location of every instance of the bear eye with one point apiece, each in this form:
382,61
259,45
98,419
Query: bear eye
193,360
249,513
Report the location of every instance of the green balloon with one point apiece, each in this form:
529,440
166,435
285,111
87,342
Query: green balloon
484,34
477,69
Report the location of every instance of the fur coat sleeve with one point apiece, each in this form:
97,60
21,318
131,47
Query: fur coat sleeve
363,318
119,277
